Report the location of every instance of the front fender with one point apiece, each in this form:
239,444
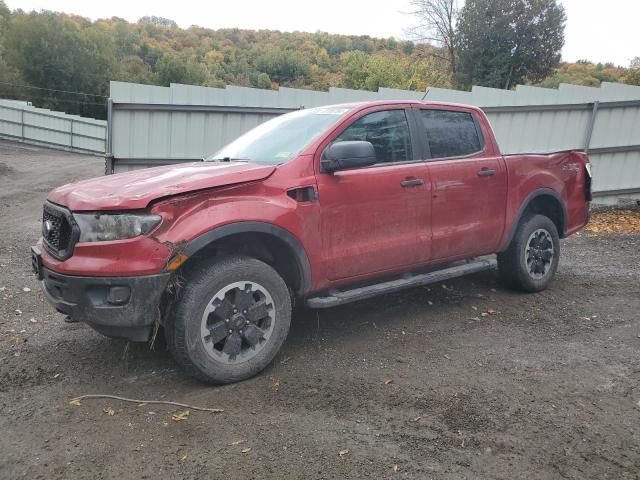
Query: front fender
192,223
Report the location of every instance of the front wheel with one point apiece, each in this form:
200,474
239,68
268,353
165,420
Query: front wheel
531,260
232,318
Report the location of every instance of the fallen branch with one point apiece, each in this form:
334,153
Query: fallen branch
76,401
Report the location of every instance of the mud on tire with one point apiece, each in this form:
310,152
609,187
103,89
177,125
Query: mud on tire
531,260
231,319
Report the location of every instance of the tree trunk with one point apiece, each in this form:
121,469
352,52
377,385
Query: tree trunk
452,61
508,82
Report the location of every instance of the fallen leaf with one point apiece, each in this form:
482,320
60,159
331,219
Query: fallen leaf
184,457
33,320
236,442
484,314
614,221
447,357
181,415
403,332
395,467
585,318
476,319
343,452
75,402
26,289
491,311
388,382
416,419
109,411
18,311
56,375
429,302
475,308
246,450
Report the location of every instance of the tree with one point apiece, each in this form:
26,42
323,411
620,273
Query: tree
283,65
133,69
632,76
382,69
437,26
505,42
264,81
71,66
158,21
170,69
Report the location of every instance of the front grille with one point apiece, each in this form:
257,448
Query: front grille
57,231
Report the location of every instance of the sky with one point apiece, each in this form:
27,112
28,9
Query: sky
597,31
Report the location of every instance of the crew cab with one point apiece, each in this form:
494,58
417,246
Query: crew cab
321,206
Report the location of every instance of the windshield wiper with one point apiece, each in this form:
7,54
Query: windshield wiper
227,159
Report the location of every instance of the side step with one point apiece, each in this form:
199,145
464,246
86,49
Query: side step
340,297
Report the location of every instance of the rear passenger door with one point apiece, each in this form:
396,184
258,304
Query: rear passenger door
469,187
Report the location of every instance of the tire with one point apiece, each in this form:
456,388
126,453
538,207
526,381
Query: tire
195,334
513,264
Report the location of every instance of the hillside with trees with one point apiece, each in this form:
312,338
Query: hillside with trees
64,62
72,54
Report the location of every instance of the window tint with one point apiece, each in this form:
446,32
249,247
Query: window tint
387,130
450,134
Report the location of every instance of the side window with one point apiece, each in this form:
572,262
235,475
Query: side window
450,134
387,130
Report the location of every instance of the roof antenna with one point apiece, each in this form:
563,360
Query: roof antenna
426,93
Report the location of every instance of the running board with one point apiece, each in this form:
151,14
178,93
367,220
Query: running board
340,297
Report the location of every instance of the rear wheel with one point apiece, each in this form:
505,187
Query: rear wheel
232,318
531,261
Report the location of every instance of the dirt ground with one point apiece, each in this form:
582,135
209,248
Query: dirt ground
459,381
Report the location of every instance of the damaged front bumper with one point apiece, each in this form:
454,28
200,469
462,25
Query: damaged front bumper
120,307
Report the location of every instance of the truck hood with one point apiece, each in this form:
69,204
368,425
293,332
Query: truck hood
136,189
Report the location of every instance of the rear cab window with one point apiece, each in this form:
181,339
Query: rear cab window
450,133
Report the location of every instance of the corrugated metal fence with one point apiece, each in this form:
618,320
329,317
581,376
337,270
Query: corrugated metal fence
25,123
153,125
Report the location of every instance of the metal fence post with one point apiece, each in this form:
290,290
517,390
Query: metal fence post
108,141
590,125
71,135
22,124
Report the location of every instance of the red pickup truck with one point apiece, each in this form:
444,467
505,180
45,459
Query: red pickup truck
321,206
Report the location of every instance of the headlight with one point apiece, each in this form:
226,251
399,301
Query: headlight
97,227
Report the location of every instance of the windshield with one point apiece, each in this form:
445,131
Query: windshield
281,138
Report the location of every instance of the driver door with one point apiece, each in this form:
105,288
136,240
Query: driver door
376,218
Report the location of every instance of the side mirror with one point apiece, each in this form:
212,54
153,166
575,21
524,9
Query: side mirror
343,155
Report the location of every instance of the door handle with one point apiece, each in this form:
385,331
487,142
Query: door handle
485,172
411,182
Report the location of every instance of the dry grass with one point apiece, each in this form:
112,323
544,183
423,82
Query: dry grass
614,221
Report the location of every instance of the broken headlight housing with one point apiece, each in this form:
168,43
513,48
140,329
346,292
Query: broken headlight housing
101,227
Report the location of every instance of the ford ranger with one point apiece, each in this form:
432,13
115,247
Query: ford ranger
321,207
